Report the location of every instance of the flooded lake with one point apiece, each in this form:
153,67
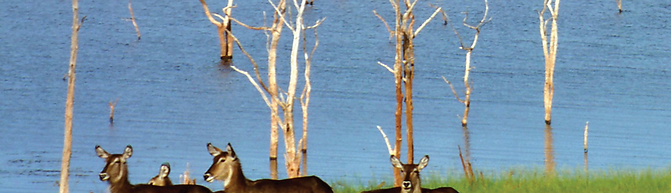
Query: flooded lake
174,95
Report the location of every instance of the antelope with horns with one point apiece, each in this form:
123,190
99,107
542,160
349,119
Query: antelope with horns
226,167
412,183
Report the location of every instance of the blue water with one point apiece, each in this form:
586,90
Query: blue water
175,97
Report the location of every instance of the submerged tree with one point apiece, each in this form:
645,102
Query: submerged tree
132,19
404,72
550,53
271,93
469,50
69,102
223,29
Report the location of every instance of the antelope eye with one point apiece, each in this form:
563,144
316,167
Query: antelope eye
222,160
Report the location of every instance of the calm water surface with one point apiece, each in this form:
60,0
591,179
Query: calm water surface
174,96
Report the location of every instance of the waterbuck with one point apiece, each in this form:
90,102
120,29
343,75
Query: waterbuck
162,178
116,173
226,167
412,183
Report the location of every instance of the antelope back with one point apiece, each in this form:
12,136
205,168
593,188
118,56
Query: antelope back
412,183
162,178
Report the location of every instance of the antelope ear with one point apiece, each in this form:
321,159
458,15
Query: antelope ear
127,152
423,162
101,152
230,151
396,162
214,151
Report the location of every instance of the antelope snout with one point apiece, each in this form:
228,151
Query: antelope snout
208,177
407,184
103,176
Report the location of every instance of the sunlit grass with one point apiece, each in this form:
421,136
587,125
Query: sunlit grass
537,180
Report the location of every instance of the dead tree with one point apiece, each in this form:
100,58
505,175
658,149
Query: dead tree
69,102
549,151
132,19
469,50
585,144
270,95
403,70
223,30
112,105
550,53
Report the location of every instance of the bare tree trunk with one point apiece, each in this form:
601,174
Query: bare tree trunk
467,86
585,143
69,103
403,71
112,105
132,19
467,148
549,151
409,75
550,54
398,80
305,97
228,41
223,30
275,31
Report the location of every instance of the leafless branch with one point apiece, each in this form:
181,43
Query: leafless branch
241,23
256,68
427,21
391,32
394,5
482,22
441,11
386,140
251,80
208,14
385,66
461,41
317,24
453,91
281,15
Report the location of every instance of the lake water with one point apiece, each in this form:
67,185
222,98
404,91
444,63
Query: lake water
174,96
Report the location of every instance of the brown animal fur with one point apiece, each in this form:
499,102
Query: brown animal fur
116,173
226,167
412,182
162,178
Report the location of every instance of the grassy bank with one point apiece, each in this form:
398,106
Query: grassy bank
536,180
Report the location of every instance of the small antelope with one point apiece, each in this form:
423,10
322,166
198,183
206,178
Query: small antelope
115,173
412,183
162,178
226,167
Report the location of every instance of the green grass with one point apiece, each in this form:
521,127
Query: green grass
536,180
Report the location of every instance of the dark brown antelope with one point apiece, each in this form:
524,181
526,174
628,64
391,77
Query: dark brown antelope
116,173
412,183
226,167
162,178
